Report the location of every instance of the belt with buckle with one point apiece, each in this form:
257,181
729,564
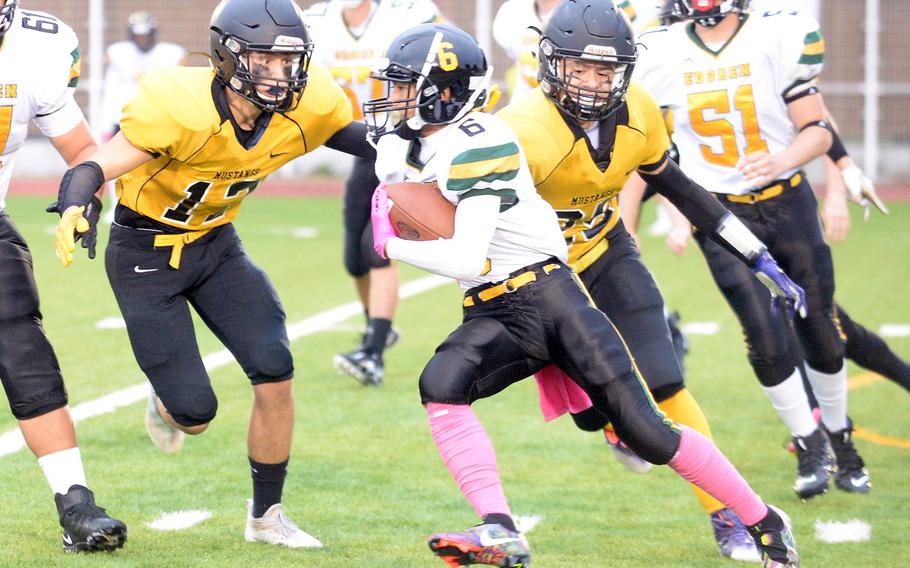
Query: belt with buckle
768,192
507,286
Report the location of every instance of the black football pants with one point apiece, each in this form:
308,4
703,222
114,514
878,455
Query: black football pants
551,320
359,256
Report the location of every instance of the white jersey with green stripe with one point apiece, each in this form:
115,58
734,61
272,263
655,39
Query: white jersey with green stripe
476,156
728,100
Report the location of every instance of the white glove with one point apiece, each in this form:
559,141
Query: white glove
861,190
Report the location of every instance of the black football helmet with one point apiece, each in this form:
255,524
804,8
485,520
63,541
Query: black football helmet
7,11
708,13
586,30
431,58
142,29
240,27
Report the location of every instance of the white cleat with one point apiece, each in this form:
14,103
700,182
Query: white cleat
165,437
274,528
624,455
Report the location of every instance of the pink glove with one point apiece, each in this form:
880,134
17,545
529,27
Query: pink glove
382,225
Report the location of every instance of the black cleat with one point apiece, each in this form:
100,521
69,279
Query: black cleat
773,536
86,526
364,366
814,464
851,475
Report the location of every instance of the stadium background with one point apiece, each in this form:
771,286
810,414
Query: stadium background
843,23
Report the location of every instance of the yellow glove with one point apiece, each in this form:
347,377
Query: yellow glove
70,223
494,93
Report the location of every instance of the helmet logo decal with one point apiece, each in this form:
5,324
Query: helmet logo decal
287,41
448,60
599,50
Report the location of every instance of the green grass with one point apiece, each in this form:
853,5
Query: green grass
364,474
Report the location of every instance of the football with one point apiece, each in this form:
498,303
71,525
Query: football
419,212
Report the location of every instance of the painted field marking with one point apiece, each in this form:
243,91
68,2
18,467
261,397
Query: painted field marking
110,323
863,380
853,530
701,328
12,441
894,330
179,520
526,523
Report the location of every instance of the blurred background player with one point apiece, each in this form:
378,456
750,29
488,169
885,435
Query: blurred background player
350,36
749,152
39,69
126,63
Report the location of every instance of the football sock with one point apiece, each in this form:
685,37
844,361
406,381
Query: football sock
870,351
268,483
63,469
378,330
698,461
806,386
500,519
831,391
682,408
789,400
468,453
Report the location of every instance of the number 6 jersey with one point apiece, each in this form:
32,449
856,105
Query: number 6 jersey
39,69
728,100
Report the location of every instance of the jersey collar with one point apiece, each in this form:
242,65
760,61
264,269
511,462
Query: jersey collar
690,31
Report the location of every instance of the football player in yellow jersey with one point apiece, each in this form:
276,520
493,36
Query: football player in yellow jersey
598,129
193,143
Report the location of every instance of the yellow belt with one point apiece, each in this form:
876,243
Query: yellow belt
506,286
178,241
768,192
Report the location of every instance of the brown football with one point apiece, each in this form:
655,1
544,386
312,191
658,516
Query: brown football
419,212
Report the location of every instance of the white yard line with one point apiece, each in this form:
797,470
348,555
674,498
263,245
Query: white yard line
12,441
854,530
895,330
179,520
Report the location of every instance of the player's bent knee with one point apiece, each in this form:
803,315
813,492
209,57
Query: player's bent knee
272,365
192,410
590,420
446,379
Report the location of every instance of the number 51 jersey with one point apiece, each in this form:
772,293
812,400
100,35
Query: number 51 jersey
728,101
39,69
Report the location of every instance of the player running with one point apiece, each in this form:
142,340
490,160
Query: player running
524,308
195,142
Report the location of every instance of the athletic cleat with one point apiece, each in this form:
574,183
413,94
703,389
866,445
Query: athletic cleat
365,367
733,538
165,437
623,454
814,464
817,416
490,544
86,526
851,475
773,536
274,528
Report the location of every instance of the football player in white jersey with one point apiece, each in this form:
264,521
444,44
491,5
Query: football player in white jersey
39,68
747,115
126,62
524,308
350,36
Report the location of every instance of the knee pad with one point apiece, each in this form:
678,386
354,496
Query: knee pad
194,405
446,379
29,368
271,365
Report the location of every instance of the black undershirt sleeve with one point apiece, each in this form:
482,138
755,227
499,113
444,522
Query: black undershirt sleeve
696,203
352,139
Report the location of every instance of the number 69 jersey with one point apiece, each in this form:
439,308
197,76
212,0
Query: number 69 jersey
728,101
39,69
480,155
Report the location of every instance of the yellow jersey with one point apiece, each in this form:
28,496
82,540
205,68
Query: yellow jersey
581,182
201,172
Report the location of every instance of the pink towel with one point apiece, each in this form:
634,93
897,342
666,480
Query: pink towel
559,394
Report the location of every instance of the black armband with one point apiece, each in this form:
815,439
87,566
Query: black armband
78,187
352,139
837,150
819,123
804,93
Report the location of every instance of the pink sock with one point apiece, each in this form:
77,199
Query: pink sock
699,462
468,453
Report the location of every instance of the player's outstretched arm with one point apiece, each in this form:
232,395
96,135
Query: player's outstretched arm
78,206
713,219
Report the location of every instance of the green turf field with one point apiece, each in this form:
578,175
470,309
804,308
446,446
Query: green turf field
364,475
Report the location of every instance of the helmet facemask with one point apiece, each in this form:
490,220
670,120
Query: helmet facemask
707,13
252,80
563,84
7,11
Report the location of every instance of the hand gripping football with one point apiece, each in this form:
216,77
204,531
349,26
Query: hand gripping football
419,212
